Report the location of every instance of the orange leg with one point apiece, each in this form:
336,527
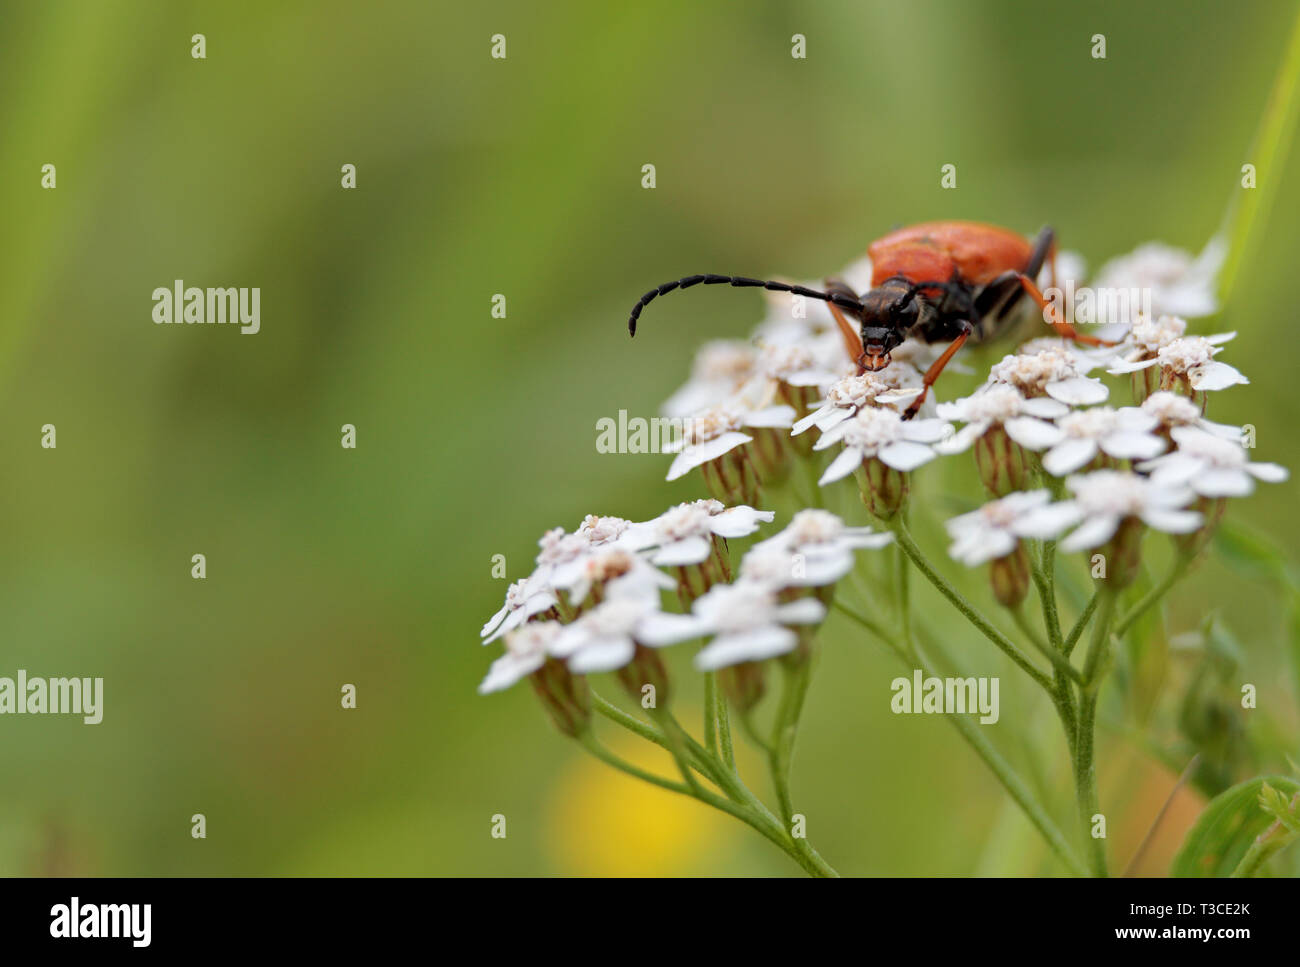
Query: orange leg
935,369
1063,328
852,341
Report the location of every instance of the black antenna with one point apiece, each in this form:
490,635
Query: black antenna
841,299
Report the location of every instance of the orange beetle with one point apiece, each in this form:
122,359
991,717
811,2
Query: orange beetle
938,282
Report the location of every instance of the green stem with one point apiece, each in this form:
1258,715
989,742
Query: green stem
1085,767
781,748
1063,672
1153,596
1062,666
728,753
1259,851
1016,787
711,713
965,607
1073,637
742,804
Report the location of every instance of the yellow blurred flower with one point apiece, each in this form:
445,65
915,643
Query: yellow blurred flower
603,822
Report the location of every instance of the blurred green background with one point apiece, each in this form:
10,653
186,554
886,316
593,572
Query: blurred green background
518,176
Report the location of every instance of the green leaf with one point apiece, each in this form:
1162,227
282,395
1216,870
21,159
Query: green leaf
1228,827
1252,554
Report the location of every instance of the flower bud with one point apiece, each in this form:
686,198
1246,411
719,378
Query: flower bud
883,488
1010,577
1002,462
1144,382
731,478
771,453
1123,554
565,697
744,684
645,668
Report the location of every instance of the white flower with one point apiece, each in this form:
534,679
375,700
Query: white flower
1211,465
602,565
562,562
1001,404
601,531
901,444
605,637
746,621
808,364
1178,283
716,431
1054,371
1190,358
526,651
683,535
892,386
815,550
1125,434
524,599
1104,498
721,367
995,529
1174,409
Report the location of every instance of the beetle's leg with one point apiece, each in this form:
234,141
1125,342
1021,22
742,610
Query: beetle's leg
936,368
1063,328
852,338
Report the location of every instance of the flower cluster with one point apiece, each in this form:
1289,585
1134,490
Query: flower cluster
595,601
1068,464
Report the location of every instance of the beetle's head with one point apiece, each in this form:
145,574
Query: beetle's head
888,312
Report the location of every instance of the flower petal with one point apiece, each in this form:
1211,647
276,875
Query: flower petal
1172,521
1047,523
1132,445
662,628
904,455
1268,472
740,521
688,550
1078,391
1032,433
602,655
771,416
962,439
508,669
756,644
1068,456
1223,482
1044,407
1093,531
928,430
1121,366
700,453
802,611
849,459
1215,375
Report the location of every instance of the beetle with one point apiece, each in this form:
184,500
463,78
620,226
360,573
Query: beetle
938,282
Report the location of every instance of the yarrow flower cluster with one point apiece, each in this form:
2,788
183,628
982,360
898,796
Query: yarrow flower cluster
779,423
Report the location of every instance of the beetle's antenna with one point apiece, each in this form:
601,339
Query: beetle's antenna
840,299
